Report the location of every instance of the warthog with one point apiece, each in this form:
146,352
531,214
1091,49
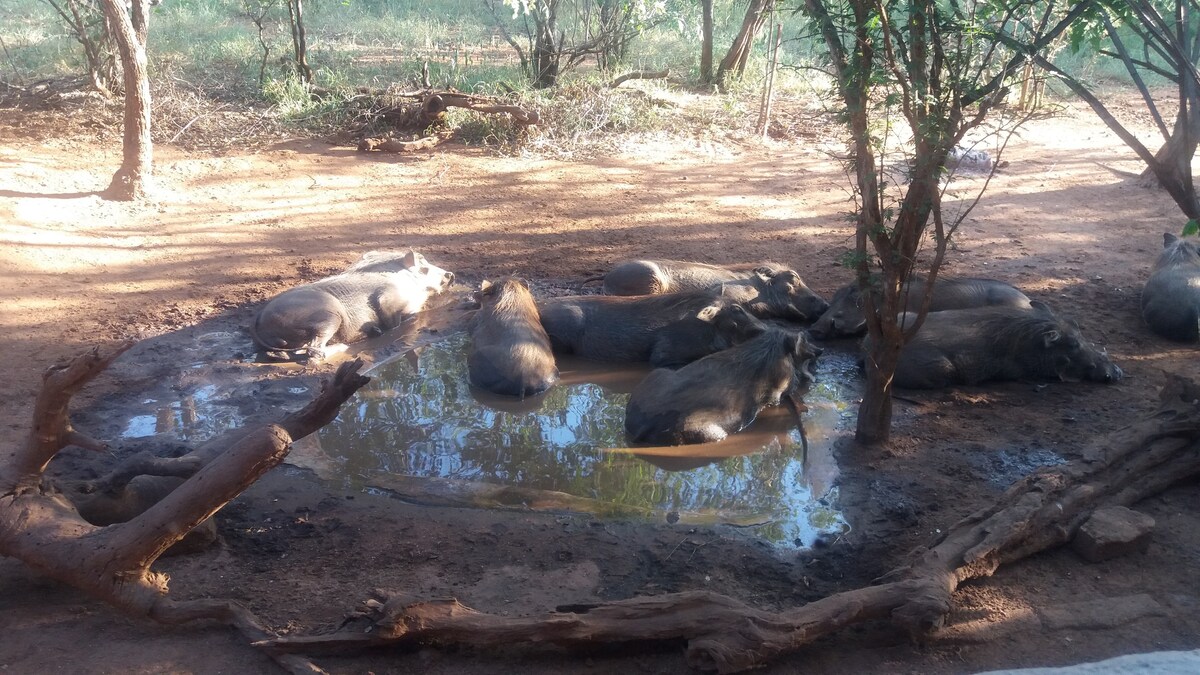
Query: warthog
510,351
768,290
132,499
719,394
656,277
391,261
346,308
845,317
970,346
1171,297
666,330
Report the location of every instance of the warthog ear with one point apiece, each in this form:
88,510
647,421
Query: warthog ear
765,274
795,343
410,259
1169,239
485,286
1050,337
708,314
1040,306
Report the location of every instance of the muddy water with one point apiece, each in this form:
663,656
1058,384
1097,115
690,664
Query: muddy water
194,416
420,431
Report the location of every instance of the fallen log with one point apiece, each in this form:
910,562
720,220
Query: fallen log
392,145
42,529
640,75
725,635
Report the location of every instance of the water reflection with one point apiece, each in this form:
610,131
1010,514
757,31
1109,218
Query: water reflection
423,419
195,416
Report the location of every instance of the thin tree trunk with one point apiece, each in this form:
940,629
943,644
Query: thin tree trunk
764,115
132,180
706,41
299,39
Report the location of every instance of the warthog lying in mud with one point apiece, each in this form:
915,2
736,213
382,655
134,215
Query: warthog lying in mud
1171,297
392,261
666,330
510,351
719,394
768,290
348,307
970,346
845,317
656,277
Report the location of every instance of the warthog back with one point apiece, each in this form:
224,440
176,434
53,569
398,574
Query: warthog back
666,330
1171,297
343,309
970,346
656,277
719,394
845,317
510,351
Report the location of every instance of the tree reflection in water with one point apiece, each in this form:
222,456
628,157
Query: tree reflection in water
428,422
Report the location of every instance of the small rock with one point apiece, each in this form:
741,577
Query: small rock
1113,531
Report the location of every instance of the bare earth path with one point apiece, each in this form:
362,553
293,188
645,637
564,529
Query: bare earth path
228,232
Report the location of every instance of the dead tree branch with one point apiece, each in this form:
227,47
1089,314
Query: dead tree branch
725,635
393,145
640,75
112,563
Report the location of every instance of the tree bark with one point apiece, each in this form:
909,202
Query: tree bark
132,181
726,635
545,51
739,52
706,41
299,39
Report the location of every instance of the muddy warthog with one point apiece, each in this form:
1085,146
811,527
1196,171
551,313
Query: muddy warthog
845,317
666,330
1171,297
132,499
655,277
719,394
391,261
768,290
510,351
345,308
970,346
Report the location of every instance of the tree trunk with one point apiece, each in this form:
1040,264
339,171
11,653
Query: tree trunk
299,40
739,52
132,180
706,41
874,425
545,51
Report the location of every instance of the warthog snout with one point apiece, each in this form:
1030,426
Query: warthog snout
1109,372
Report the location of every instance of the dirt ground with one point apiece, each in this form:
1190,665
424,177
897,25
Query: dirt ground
225,233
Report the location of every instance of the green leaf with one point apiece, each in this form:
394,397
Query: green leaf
1192,228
